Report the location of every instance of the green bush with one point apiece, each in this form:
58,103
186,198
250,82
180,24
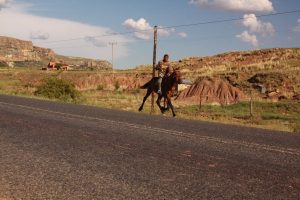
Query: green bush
58,66
3,64
100,87
58,89
296,127
117,85
136,91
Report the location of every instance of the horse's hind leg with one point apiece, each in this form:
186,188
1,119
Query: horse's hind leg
144,100
158,103
166,105
171,106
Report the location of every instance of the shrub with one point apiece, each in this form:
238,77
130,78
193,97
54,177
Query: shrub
58,89
136,91
3,64
100,87
296,127
117,85
58,66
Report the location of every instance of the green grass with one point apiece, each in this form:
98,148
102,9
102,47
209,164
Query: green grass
274,115
237,110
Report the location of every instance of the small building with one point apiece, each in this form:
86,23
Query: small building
58,66
52,66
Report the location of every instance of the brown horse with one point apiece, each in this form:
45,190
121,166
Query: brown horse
168,88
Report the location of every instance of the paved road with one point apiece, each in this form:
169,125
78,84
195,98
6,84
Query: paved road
60,151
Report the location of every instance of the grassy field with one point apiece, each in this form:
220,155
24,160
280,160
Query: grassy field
284,115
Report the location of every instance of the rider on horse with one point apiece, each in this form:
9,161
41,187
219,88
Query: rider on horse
164,70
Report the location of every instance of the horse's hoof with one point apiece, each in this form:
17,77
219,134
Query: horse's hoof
163,110
174,115
140,109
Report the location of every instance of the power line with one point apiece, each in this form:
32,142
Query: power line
201,38
176,26
229,20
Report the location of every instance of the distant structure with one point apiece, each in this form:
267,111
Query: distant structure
58,66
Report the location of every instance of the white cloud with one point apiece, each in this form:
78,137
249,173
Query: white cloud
256,26
96,42
164,32
142,27
61,33
183,34
236,5
248,38
4,3
297,27
38,35
143,30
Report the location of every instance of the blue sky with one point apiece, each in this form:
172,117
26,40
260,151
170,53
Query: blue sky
70,27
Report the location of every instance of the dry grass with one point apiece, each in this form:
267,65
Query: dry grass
124,100
283,116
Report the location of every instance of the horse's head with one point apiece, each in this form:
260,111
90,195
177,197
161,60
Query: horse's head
176,75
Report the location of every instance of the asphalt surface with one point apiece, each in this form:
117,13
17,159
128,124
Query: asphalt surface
52,150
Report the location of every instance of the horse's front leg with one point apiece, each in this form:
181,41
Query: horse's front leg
166,106
144,100
171,106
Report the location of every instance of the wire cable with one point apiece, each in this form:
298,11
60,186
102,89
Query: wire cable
174,26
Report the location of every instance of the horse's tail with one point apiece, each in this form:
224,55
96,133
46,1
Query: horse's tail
146,85
150,83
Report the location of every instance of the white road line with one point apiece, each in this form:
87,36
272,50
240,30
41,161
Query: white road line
154,130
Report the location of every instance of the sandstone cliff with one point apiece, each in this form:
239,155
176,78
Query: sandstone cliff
15,52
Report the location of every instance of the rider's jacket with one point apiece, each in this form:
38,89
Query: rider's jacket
163,68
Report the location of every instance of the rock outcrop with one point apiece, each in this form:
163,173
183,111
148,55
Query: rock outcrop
108,81
212,91
277,86
264,59
85,63
15,52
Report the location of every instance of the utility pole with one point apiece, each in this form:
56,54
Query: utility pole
251,104
112,53
154,64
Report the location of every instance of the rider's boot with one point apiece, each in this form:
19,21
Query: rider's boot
159,86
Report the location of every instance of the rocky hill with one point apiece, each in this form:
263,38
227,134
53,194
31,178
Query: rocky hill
267,73
245,61
239,61
15,52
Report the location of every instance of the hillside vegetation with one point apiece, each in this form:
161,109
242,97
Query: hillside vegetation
270,77
266,73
